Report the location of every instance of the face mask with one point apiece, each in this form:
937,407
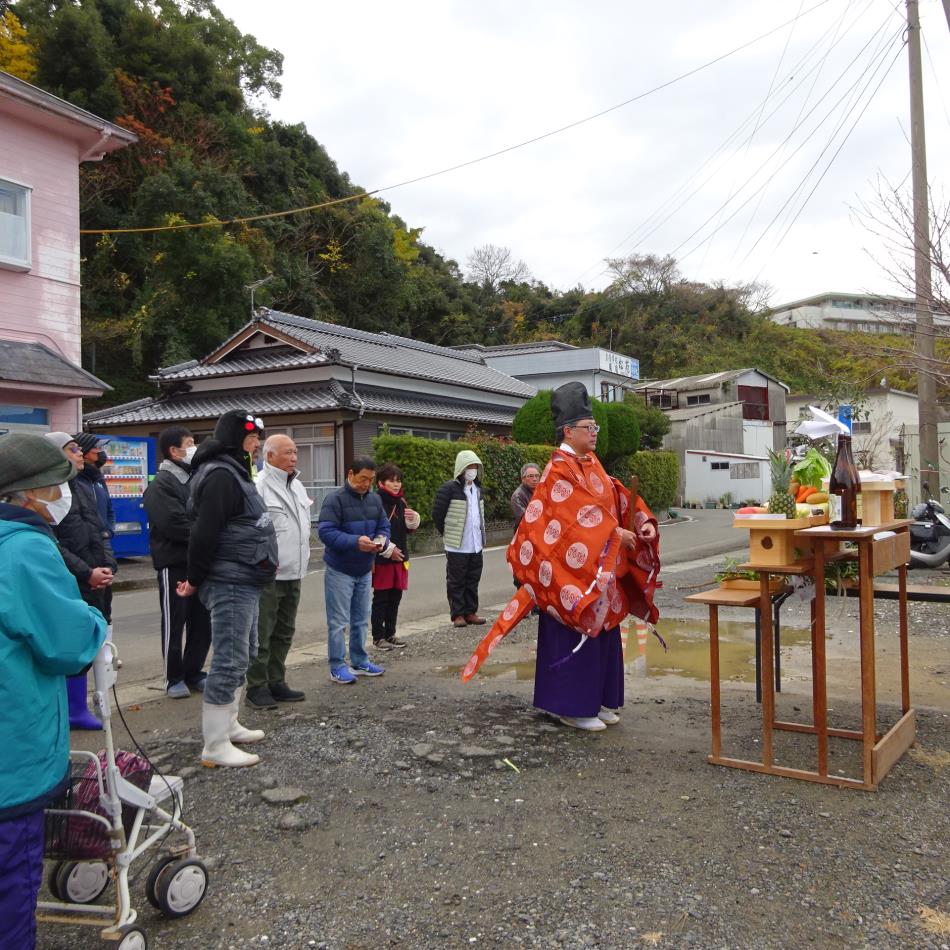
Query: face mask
190,454
60,508
470,474
101,459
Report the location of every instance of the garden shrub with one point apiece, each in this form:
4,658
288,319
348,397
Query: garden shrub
533,424
659,475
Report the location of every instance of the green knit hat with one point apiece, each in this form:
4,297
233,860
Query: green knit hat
30,461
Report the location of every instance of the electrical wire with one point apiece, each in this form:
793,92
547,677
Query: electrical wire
807,138
359,196
794,72
870,98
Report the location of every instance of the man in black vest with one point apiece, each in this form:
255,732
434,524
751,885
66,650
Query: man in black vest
232,554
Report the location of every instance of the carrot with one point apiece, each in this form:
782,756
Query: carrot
803,493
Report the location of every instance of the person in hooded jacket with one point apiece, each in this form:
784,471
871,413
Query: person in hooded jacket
391,572
84,541
459,515
186,625
232,554
47,632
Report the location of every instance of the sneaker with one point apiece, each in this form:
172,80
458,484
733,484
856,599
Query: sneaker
343,674
198,685
284,694
608,716
178,691
368,669
588,723
395,643
259,697
382,644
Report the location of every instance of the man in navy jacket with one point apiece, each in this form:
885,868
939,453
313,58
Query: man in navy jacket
353,527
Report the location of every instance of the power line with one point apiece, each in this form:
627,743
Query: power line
779,148
849,110
646,222
452,168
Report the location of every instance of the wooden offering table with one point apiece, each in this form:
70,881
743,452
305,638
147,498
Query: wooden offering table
880,752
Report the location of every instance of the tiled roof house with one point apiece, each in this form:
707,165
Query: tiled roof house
330,387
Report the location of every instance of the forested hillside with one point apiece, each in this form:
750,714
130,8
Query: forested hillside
187,81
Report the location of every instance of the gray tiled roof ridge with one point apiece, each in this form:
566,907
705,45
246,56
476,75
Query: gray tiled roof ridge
291,398
448,365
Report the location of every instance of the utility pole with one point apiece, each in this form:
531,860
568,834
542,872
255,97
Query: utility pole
923,290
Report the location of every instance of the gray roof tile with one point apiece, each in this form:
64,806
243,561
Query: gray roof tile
21,361
185,407
381,352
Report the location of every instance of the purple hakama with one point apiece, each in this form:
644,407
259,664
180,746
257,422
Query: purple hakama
577,684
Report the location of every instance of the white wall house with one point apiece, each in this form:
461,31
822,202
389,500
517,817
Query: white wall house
709,476
876,440
865,313
547,364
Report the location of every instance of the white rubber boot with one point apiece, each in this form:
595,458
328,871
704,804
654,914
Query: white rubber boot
218,751
237,732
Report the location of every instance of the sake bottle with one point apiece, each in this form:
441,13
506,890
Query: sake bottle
843,488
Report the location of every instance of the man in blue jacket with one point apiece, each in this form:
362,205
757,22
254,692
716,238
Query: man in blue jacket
47,632
353,527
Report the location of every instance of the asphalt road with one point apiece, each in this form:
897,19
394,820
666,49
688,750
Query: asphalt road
136,613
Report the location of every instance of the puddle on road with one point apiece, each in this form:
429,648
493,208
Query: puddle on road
688,656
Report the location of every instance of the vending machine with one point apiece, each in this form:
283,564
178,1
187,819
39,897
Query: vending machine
130,467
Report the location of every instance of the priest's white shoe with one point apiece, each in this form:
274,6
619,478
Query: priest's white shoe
588,723
608,716
218,750
237,732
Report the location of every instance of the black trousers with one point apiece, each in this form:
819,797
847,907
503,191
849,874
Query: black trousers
462,574
385,612
185,621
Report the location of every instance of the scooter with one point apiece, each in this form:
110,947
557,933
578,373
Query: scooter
929,534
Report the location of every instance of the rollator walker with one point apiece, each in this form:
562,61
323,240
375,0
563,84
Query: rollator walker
107,822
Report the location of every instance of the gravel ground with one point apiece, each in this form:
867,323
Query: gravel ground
438,814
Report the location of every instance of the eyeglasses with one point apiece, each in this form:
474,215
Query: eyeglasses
593,429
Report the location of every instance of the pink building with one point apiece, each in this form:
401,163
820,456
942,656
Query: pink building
42,141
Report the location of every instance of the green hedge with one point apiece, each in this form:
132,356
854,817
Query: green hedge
428,463
659,475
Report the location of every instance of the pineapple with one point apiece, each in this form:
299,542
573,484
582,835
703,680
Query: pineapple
780,501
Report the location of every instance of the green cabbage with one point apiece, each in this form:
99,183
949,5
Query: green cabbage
812,469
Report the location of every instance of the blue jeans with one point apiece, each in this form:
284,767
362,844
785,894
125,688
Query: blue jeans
348,600
233,609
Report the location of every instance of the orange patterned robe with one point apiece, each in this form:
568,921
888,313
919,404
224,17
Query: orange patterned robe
567,556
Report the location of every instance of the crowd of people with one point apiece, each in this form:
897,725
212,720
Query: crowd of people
230,530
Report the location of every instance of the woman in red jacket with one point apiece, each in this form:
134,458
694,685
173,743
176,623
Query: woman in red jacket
391,572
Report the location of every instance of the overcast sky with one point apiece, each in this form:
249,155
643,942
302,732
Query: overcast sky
394,91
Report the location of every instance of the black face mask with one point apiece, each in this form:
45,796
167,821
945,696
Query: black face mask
101,459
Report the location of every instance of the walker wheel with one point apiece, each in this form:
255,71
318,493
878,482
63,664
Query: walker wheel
154,877
181,887
51,880
133,938
81,882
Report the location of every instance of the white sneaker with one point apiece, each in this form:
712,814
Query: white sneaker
589,723
608,716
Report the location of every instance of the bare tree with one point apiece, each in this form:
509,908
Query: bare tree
889,217
492,266
642,274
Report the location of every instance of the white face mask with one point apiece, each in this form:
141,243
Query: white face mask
471,474
190,454
60,508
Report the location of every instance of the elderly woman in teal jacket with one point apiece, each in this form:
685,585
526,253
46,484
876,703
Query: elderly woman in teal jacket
47,632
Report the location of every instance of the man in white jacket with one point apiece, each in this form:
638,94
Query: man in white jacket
289,508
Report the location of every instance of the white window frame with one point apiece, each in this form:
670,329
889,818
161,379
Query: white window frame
13,263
